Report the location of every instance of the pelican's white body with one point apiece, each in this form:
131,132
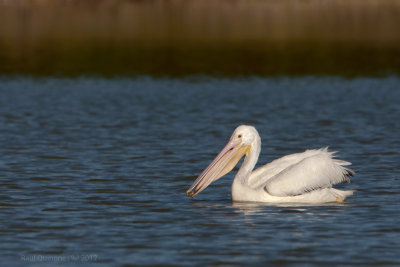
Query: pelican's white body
302,177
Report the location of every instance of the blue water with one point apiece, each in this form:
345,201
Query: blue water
95,171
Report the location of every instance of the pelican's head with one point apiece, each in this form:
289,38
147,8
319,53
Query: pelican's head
239,145
246,134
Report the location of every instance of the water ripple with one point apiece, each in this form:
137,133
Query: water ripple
96,167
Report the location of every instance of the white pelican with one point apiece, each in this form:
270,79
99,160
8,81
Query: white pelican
302,177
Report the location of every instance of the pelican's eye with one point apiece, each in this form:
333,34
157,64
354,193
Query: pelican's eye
240,136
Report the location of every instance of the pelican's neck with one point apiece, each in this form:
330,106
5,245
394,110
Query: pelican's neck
249,162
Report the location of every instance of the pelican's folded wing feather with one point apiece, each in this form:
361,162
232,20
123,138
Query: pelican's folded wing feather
314,172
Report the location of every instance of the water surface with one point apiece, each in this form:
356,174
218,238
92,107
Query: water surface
95,171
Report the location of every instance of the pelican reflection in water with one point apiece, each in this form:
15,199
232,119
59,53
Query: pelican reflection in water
302,177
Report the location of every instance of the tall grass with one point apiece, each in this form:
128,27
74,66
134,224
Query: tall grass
180,37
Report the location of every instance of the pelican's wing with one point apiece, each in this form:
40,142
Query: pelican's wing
260,176
318,170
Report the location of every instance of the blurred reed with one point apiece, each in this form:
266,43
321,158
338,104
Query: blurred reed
181,37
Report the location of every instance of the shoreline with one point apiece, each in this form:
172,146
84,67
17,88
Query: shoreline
186,37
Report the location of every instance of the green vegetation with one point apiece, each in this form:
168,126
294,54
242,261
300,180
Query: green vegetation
183,37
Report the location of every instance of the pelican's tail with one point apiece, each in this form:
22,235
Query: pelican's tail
341,195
